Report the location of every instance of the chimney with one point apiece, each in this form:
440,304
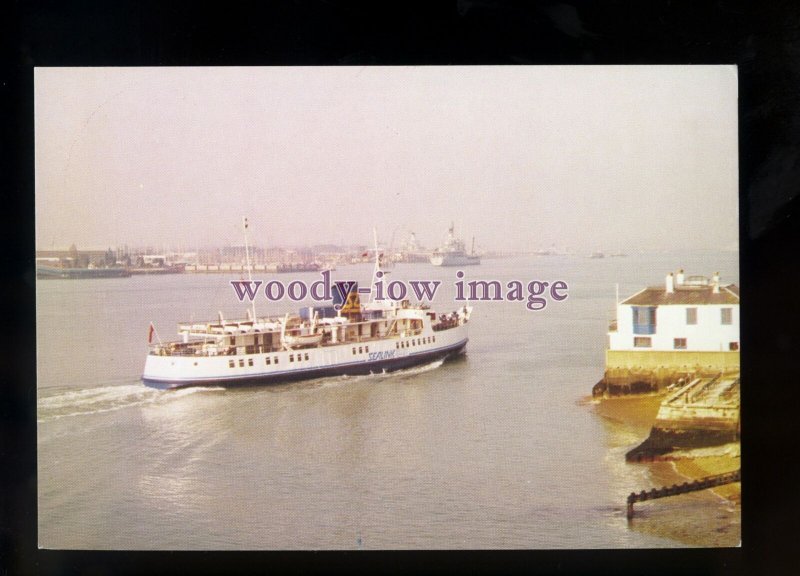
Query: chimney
670,284
715,283
679,278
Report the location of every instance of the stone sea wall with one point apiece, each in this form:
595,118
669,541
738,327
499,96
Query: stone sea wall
642,372
703,413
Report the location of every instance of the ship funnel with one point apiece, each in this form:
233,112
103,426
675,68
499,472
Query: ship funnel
670,283
715,283
679,277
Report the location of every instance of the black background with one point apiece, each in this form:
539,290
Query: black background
762,39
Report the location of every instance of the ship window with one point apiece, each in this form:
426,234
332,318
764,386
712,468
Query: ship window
306,355
733,346
691,315
727,315
249,361
679,343
291,357
231,364
268,360
642,342
241,362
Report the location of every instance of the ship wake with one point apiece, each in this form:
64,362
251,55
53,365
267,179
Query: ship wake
402,374
86,401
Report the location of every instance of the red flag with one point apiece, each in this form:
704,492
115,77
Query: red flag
150,335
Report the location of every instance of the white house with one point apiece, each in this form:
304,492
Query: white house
694,314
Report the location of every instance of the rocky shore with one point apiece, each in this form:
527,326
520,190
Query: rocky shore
691,463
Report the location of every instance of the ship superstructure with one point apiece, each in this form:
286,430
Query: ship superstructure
452,253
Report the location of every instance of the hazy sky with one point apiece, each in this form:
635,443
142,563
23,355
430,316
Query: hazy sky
521,157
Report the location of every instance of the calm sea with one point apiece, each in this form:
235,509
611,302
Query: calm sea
497,449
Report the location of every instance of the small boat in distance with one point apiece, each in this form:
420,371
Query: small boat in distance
452,253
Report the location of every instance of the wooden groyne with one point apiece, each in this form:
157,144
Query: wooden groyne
686,487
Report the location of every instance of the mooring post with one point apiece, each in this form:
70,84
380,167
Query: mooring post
630,508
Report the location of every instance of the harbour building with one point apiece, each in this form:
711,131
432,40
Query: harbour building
669,333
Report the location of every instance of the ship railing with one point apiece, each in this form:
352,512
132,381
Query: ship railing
445,325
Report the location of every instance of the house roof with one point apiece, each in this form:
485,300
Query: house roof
696,295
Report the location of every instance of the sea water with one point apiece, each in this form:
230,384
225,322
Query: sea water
495,449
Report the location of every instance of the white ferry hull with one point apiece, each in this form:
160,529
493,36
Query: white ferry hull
359,358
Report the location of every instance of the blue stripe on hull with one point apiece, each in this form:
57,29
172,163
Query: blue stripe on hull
357,369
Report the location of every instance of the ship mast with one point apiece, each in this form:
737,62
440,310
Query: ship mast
377,265
249,270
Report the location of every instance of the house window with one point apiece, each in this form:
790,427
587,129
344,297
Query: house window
291,357
231,364
727,315
644,320
354,350
733,346
642,342
691,315
680,343
360,350
249,361
268,361
233,340
275,360
366,348
306,355
241,362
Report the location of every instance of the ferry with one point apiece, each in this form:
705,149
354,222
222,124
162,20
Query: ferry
355,339
453,253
